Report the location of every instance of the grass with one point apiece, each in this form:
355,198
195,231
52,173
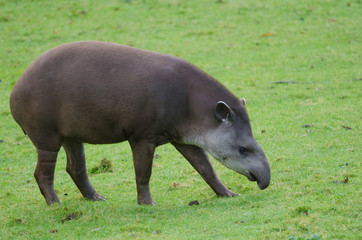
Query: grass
309,125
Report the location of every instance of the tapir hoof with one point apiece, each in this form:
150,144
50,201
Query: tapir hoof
96,197
52,202
145,202
228,193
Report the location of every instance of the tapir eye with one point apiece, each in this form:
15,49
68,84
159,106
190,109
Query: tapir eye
243,151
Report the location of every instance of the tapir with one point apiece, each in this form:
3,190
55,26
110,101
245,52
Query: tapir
101,93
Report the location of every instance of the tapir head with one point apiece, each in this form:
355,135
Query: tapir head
231,142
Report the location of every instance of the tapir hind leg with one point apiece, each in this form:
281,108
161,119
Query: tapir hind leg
76,168
199,159
44,174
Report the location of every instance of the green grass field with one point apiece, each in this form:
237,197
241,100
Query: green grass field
297,63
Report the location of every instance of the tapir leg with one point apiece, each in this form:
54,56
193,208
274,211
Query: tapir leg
44,174
199,159
142,159
76,168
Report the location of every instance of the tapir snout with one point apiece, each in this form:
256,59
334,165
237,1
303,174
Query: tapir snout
259,167
256,169
260,174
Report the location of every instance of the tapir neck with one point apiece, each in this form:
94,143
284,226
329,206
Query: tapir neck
204,93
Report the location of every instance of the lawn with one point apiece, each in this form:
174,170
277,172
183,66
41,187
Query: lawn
297,63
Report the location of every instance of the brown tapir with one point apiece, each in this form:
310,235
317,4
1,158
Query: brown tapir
98,92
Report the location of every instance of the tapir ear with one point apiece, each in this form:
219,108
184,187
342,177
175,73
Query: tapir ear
243,101
222,112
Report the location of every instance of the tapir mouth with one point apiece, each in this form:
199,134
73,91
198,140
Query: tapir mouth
262,183
251,177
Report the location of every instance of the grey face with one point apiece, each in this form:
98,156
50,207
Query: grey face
231,142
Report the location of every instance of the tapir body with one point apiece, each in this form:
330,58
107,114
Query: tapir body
98,93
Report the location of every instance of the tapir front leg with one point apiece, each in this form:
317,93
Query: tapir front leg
142,159
199,159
